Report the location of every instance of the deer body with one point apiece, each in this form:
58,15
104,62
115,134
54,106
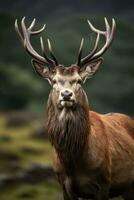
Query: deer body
93,154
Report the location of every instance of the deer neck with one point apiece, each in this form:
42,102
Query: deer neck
68,131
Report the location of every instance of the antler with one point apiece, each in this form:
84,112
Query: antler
25,41
109,34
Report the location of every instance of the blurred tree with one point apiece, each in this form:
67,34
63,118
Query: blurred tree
18,88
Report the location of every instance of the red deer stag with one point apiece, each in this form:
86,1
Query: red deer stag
93,153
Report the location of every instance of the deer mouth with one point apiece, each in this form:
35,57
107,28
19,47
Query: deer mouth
67,103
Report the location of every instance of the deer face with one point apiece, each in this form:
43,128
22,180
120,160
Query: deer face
67,82
66,87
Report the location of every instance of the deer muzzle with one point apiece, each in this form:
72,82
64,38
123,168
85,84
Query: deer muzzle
67,98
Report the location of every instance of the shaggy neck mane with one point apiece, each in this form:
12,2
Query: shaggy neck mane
68,131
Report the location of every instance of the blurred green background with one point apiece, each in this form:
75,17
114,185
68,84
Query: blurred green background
25,152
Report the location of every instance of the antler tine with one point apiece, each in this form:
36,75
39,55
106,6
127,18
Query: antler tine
18,32
93,51
80,52
38,31
51,52
108,29
95,29
109,33
43,51
32,24
113,27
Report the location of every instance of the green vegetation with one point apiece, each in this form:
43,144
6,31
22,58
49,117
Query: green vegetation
19,149
20,143
48,190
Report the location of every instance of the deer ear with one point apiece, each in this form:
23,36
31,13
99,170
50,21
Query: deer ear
90,69
41,69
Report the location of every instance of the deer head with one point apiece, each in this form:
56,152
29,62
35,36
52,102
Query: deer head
66,81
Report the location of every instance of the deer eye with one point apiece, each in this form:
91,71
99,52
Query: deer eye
54,81
79,81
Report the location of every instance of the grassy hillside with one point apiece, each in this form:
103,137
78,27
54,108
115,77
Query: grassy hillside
20,155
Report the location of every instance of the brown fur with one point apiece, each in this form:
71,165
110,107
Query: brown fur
92,152
67,70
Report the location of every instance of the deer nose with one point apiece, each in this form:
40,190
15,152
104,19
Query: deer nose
66,95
